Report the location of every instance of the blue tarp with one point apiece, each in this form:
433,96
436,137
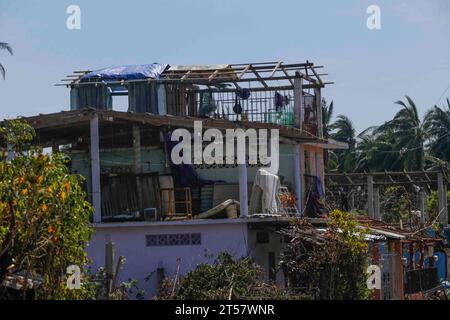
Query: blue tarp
137,72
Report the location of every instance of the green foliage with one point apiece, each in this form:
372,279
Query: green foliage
432,204
225,278
437,124
397,204
44,216
402,143
94,288
7,47
328,265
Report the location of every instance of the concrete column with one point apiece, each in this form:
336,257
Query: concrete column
95,169
442,200
370,208
423,215
298,101
243,190
376,203
352,199
10,156
318,97
297,176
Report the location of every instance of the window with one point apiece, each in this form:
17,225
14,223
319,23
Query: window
182,239
262,237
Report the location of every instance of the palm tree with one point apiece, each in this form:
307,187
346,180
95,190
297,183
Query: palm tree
437,125
7,47
327,115
409,135
345,132
375,151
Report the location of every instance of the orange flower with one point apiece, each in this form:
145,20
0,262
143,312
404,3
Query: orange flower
51,229
44,208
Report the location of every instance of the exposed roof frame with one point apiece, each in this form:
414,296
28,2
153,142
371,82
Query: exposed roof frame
262,72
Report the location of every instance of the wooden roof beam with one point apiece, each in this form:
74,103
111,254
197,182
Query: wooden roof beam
260,78
275,69
244,71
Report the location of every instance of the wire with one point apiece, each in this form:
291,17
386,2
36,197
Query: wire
448,87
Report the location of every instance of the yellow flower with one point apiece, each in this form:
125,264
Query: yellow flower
67,186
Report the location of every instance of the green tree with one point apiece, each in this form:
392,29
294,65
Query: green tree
44,216
437,125
327,115
7,47
409,135
328,265
375,151
344,131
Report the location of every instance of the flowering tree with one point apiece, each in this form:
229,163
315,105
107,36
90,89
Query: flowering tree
44,216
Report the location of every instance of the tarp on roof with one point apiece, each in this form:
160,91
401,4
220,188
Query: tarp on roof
137,72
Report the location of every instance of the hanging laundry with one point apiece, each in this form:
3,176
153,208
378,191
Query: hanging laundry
237,109
279,101
243,93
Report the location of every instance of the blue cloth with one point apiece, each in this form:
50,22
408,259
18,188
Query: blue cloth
320,188
137,72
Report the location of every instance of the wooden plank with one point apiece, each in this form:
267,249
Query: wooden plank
275,69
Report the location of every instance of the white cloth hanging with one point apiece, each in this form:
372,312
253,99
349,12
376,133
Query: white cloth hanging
264,193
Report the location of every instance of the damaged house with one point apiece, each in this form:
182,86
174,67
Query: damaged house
168,217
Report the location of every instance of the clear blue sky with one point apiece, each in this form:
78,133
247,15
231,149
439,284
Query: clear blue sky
371,69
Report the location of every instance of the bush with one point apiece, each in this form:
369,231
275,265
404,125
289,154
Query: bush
226,278
327,265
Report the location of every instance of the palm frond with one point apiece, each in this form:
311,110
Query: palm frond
7,47
2,71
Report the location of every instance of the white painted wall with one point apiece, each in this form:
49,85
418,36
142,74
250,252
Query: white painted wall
259,252
130,241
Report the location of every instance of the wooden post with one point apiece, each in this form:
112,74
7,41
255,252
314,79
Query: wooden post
376,261
398,249
411,256
109,266
370,208
137,163
243,190
95,169
137,166
376,203
430,256
442,200
298,176
298,101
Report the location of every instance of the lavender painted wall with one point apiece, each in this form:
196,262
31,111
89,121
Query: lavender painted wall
130,241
